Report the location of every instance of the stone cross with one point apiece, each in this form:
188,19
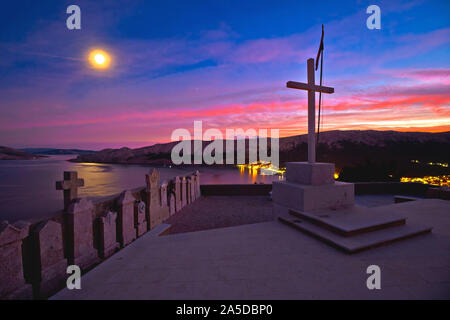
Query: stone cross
312,89
70,185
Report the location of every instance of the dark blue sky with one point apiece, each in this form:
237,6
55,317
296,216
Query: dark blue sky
223,62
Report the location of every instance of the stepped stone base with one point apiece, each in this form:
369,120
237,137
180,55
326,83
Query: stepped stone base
313,197
351,221
352,229
312,202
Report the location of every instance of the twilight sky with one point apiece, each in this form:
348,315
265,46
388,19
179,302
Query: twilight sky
223,62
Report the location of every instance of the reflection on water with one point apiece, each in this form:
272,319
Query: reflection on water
240,175
27,187
28,191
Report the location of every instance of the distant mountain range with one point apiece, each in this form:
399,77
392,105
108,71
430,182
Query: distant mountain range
7,153
53,151
353,148
358,155
14,154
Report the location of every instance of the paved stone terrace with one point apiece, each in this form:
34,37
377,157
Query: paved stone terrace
271,261
220,212
226,211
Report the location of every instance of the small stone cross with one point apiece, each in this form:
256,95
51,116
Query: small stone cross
70,185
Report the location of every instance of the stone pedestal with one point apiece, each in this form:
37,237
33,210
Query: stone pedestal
47,263
311,187
126,231
310,173
12,281
108,235
80,234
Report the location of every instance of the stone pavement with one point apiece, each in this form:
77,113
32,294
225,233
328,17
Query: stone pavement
228,211
219,212
268,260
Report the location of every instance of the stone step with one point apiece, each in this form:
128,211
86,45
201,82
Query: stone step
351,221
358,242
400,198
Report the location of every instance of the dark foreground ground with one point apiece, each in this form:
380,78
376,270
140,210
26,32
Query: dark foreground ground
270,260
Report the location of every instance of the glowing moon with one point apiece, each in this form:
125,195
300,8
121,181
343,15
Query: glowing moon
99,59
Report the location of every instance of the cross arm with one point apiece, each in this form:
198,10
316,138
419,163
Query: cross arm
305,86
67,184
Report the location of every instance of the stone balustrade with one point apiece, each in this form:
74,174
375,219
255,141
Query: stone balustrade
34,257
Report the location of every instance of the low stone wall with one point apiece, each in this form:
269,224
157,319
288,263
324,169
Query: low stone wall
439,193
416,189
34,257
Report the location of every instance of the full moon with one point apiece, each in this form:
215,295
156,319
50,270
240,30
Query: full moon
99,59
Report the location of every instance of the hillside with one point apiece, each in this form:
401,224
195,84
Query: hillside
345,148
14,154
54,151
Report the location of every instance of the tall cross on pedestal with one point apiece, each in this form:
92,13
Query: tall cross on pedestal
312,89
70,185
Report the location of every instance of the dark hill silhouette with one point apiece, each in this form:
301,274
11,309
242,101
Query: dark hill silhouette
359,155
14,154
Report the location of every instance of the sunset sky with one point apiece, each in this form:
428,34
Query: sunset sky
223,62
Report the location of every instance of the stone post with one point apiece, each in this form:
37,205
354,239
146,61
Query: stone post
188,190
47,265
183,192
164,186
140,221
172,207
157,213
192,188
12,281
126,232
79,229
197,185
108,235
177,190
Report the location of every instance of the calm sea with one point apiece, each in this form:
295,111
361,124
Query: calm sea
27,187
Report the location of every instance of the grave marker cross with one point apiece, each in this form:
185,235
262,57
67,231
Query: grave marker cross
70,185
